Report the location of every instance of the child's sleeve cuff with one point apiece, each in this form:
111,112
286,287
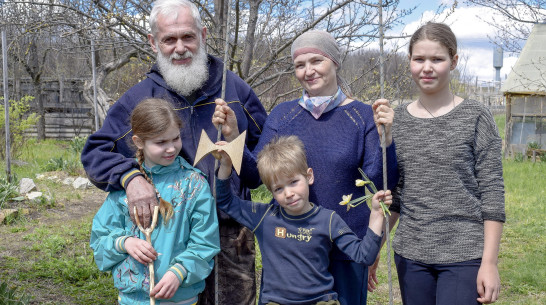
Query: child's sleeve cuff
179,271
120,244
128,176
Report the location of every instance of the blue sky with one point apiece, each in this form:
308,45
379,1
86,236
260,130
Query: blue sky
475,48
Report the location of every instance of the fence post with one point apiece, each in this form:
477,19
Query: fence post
94,85
6,104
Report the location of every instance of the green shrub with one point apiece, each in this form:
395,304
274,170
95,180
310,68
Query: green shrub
518,157
534,145
72,167
20,119
76,145
8,191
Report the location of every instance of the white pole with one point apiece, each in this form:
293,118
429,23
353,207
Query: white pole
219,135
384,146
94,85
6,104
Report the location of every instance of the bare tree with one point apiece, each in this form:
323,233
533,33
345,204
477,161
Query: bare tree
32,42
261,35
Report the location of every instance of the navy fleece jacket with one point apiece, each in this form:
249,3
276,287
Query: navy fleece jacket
107,155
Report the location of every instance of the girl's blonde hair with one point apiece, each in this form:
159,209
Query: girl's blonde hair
149,119
282,157
438,32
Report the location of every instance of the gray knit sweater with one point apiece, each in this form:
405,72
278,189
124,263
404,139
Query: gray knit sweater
450,182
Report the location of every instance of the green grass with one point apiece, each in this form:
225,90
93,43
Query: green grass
36,155
58,260
59,257
500,119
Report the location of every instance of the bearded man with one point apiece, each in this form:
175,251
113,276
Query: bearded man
191,80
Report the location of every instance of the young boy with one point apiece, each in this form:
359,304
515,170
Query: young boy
296,236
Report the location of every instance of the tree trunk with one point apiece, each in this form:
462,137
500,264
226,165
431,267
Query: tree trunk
40,126
220,14
103,100
250,40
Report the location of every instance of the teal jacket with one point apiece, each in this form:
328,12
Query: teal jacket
187,243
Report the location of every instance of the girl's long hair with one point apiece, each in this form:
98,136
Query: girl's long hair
149,119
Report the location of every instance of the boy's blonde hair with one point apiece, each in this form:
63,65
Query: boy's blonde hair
282,157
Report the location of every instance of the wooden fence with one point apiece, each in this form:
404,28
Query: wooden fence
67,115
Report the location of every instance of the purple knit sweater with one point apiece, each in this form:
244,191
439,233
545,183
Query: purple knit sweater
337,144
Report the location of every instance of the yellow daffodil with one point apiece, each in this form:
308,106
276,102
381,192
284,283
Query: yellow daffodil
360,182
346,199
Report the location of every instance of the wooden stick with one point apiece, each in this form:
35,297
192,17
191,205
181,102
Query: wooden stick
148,233
384,145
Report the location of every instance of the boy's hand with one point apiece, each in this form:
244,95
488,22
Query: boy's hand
225,161
167,287
221,155
224,115
140,250
384,196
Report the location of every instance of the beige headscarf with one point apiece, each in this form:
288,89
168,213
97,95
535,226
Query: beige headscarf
321,42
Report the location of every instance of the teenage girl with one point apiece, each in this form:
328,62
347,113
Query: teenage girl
186,237
450,198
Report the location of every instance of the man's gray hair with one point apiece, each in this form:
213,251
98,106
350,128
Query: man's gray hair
170,8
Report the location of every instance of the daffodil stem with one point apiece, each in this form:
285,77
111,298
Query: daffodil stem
384,208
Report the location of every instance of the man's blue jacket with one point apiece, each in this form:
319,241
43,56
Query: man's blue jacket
108,157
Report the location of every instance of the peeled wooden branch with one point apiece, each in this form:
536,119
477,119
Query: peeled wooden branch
148,233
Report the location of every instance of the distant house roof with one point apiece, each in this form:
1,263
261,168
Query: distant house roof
528,76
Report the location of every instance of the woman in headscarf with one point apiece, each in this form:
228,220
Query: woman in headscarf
340,135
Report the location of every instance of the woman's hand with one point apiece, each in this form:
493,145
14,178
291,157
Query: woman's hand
383,114
372,275
225,116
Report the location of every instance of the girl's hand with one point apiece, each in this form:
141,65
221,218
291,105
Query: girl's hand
167,287
488,282
140,250
384,196
383,114
224,115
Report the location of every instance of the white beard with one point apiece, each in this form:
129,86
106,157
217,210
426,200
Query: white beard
184,79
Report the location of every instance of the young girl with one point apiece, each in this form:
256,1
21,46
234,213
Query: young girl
186,237
450,198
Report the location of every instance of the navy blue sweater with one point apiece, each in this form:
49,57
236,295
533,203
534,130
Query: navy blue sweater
107,154
295,249
337,144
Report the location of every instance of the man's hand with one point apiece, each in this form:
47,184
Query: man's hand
225,116
141,194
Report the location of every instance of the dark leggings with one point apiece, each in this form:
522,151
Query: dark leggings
430,284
